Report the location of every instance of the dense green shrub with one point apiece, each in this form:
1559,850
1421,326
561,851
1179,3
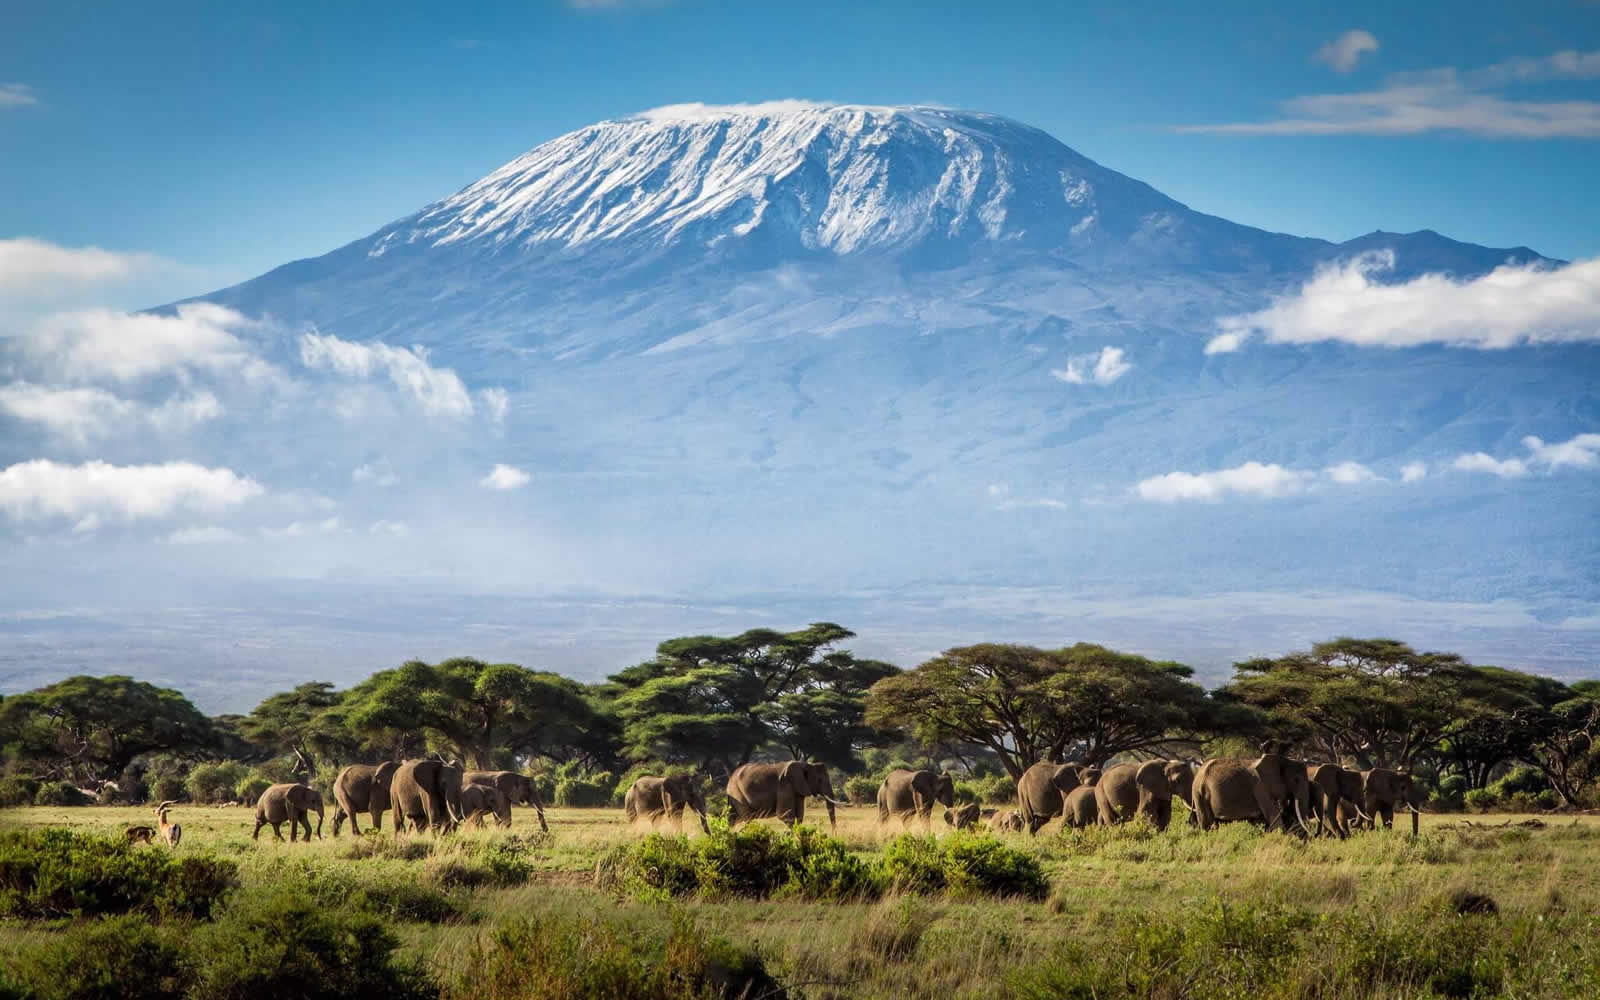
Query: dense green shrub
210,784
17,791
118,958
862,789
250,787
60,793
755,862
1527,781
387,888
281,942
1450,795
965,863
59,873
560,957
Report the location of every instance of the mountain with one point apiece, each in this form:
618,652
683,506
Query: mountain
834,350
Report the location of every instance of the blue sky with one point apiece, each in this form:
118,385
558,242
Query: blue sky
226,142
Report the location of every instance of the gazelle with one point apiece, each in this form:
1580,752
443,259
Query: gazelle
171,833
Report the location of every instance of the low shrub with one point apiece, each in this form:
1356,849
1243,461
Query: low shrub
1482,799
967,864
60,793
1450,795
250,787
118,958
284,943
59,873
17,792
562,957
893,929
595,790
862,790
755,862
386,888
209,784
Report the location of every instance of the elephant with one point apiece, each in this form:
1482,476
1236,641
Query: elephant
362,788
758,791
478,801
964,817
1180,775
428,793
652,798
1333,786
1128,790
1082,807
1382,789
289,801
519,789
1007,821
913,793
1263,790
1042,789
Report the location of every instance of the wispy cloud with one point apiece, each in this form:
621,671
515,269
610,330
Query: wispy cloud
1350,473
1450,100
103,343
17,95
439,391
1001,498
1102,368
1413,472
80,414
1582,451
1250,479
505,477
43,489
1344,52
30,267
1513,304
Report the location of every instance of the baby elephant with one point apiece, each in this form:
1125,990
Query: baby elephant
964,817
478,801
1007,821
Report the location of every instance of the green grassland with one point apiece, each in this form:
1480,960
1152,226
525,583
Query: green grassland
1129,912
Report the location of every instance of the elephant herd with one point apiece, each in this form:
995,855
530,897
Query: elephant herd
1274,790
429,794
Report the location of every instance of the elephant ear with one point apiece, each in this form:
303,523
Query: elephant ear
789,776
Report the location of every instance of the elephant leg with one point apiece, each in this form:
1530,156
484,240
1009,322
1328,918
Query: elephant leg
355,828
1271,809
1388,817
377,819
256,833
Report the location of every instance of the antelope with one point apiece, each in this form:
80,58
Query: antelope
141,834
171,833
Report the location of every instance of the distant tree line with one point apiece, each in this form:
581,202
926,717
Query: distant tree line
710,703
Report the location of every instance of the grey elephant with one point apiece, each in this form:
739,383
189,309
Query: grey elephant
1007,821
1271,790
478,801
289,802
759,791
428,794
1333,786
1180,775
1081,808
906,794
653,798
964,817
362,788
519,789
1128,790
1382,789
1042,790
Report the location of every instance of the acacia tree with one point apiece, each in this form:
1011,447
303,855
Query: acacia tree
476,710
717,701
295,722
94,727
1563,742
1377,701
1027,704
1487,730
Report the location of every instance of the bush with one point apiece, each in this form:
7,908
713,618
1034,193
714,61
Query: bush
210,784
1520,781
167,787
250,787
561,957
118,958
862,790
17,792
60,793
1482,799
386,888
59,873
283,943
595,790
1451,793
967,864
756,862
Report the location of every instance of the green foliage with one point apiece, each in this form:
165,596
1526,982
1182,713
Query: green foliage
118,958
58,873
250,787
209,784
755,862
577,786
17,791
993,789
60,793
562,957
1520,781
385,888
965,864
280,942
862,789
1450,794
106,721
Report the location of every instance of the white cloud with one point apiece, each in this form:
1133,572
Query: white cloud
1250,479
439,391
1351,473
1581,451
16,95
1512,305
301,529
1511,468
29,266
377,473
393,529
207,534
1103,368
103,343
43,488
496,402
1412,472
505,477
1444,99
1344,52
79,414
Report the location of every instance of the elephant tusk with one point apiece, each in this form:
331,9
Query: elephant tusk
1301,818
834,801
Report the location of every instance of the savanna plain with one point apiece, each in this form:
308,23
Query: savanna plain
1477,906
